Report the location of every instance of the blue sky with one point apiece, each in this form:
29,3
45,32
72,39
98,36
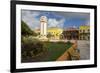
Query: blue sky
55,19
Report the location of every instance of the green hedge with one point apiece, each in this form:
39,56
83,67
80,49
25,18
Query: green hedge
31,47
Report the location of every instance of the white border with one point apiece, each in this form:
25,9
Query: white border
20,65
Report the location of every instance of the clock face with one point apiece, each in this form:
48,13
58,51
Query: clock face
43,19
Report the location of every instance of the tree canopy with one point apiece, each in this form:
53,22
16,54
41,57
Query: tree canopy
25,30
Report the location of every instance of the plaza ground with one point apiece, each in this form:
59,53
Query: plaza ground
84,47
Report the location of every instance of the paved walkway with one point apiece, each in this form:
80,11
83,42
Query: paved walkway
84,47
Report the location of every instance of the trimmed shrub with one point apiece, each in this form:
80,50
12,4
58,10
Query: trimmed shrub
31,47
69,43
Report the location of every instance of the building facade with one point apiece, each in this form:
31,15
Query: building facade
52,32
71,34
84,32
55,32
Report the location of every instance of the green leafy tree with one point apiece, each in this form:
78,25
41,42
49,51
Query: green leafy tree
49,35
25,30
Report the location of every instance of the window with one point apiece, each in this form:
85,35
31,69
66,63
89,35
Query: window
88,30
83,31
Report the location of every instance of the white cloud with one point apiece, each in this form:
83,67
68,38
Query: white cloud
52,22
30,18
88,23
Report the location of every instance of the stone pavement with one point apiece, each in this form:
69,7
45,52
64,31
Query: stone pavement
84,47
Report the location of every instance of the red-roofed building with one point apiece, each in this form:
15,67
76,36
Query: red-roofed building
71,33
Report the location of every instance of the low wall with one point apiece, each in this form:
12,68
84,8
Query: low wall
70,53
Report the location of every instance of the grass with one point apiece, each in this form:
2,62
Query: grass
55,50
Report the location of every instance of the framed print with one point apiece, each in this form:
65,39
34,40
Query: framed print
52,36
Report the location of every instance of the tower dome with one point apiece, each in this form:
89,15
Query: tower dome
43,19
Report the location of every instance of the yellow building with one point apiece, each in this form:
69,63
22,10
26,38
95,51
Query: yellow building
55,32
84,32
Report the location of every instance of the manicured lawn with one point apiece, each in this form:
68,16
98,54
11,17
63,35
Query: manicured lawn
55,50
